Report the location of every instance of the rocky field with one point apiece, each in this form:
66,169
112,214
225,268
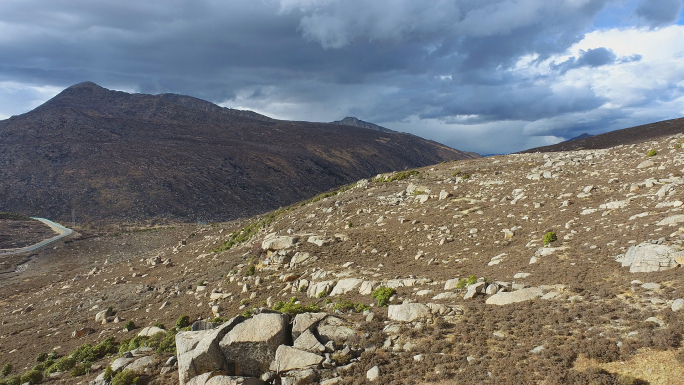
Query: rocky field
554,268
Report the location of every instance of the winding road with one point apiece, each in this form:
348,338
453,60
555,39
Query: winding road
61,230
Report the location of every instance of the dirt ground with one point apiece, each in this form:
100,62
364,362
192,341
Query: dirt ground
484,218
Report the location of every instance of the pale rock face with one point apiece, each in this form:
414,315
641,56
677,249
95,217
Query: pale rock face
150,331
304,322
345,286
474,289
646,164
678,304
408,312
288,358
308,342
506,298
648,257
279,243
373,373
672,220
251,345
334,329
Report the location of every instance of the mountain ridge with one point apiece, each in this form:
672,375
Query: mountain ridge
115,157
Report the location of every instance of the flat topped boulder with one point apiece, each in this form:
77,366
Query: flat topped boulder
304,322
278,243
522,295
288,358
408,312
648,257
251,345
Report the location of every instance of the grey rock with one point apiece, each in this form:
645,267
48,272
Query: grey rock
408,312
345,286
505,298
150,331
140,364
278,243
202,325
288,358
648,257
118,364
672,220
678,304
251,345
305,321
308,342
373,373
335,329
474,289
199,352
650,286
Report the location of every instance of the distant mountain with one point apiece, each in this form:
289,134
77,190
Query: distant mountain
614,138
115,157
354,122
578,137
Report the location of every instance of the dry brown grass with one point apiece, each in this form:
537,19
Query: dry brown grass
656,367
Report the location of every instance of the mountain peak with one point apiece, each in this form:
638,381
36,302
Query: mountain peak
355,122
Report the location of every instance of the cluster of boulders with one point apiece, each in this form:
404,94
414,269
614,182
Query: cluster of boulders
269,347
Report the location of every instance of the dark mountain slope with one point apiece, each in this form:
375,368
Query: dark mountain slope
118,157
354,122
614,138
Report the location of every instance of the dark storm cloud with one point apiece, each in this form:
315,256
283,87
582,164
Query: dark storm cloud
383,60
657,13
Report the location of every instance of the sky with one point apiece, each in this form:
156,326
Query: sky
490,76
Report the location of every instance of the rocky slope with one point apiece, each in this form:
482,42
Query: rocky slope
629,135
115,157
544,268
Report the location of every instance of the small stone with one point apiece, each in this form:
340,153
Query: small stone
373,373
678,304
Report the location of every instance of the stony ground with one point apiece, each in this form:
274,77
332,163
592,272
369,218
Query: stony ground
600,303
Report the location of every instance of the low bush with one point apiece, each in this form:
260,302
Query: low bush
401,175
383,295
41,357
549,237
127,377
182,322
251,270
6,370
62,365
651,153
108,374
295,308
347,305
32,377
14,380
80,370
129,325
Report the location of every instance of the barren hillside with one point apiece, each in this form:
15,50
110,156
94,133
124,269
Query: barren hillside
544,268
115,158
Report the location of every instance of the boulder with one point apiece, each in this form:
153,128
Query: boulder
367,287
305,321
118,364
233,380
672,220
335,329
648,257
199,351
278,243
451,284
408,312
345,286
318,241
678,304
251,345
103,315
319,287
474,289
140,364
300,377
373,373
505,298
288,358
150,331
646,164
308,342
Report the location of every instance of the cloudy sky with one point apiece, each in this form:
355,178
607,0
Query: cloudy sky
490,76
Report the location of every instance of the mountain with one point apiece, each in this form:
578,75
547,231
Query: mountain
115,157
578,137
614,138
354,122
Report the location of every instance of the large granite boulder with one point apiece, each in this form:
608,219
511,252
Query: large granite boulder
648,257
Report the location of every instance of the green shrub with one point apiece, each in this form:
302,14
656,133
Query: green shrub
108,373
41,357
471,280
14,380
7,369
127,377
219,320
549,237
251,270
322,294
247,313
43,365
418,192
462,283
465,176
163,342
295,308
101,350
129,325
83,353
347,305
182,322
160,325
80,370
401,175
133,343
651,153
62,365
32,377
383,294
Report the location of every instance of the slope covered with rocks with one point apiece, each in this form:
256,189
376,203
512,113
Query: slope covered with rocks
545,268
